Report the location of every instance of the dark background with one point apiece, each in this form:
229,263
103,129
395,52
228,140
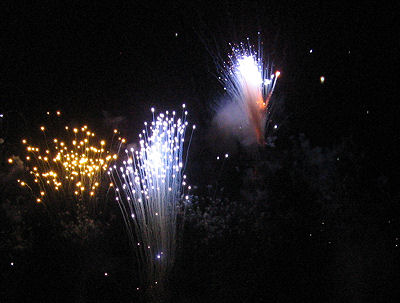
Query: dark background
97,61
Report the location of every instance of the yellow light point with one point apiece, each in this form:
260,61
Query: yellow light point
45,158
10,161
29,148
55,140
38,200
66,127
73,142
40,157
102,142
92,134
47,151
114,156
48,113
88,133
58,113
123,140
85,140
22,183
76,193
111,184
24,141
42,128
36,180
37,149
82,188
28,158
62,143
92,193
277,74
35,168
115,131
75,130
42,193
322,79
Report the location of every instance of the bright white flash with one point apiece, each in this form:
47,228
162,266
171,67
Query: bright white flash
249,71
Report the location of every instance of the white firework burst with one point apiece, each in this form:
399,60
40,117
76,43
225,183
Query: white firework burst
250,83
150,187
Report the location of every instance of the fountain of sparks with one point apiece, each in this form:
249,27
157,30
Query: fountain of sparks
150,190
250,84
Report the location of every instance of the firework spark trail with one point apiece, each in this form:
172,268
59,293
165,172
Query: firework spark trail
69,166
150,185
250,85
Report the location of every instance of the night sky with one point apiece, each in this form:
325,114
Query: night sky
125,58
92,60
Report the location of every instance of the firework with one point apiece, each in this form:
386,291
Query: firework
150,186
250,84
69,166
